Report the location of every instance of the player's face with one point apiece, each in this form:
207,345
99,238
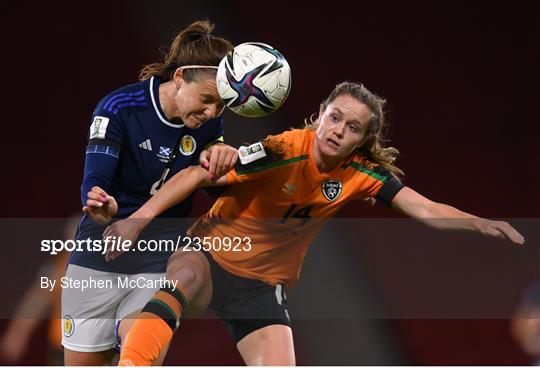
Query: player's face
342,127
198,101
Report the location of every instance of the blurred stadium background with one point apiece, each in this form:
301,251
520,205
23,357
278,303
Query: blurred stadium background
462,81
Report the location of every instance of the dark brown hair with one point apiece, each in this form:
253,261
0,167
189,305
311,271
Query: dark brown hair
195,45
372,145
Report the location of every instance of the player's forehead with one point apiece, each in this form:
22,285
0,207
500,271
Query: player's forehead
350,108
207,87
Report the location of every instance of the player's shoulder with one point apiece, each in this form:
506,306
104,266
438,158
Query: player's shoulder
272,151
289,136
364,165
289,142
131,95
364,162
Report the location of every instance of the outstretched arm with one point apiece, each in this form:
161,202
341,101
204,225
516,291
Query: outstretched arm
174,191
443,217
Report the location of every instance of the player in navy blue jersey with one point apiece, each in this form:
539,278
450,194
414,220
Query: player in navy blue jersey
141,135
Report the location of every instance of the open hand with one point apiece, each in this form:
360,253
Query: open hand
501,229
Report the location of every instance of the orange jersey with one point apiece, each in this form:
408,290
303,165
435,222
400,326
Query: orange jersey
282,204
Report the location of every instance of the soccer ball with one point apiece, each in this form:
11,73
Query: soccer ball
253,79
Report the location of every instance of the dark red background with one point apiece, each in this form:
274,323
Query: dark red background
462,82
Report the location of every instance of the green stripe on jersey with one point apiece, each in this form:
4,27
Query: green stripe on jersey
371,173
272,165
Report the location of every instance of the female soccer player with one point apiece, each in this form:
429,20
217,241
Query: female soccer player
141,135
265,221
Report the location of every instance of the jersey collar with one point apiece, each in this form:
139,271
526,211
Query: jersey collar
154,92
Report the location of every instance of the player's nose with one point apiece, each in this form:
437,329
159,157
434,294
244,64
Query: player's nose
339,130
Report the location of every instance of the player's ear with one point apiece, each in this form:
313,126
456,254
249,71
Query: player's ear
178,77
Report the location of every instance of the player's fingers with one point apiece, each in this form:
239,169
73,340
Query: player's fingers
109,255
227,160
489,229
97,196
93,203
107,232
98,190
515,235
511,233
223,164
91,212
214,159
496,232
109,199
204,158
232,160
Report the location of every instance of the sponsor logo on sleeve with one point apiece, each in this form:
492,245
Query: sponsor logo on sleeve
251,153
98,129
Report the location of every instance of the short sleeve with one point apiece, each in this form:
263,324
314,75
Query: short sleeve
378,182
106,128
254,162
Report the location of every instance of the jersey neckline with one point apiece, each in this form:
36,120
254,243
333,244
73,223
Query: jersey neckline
154,91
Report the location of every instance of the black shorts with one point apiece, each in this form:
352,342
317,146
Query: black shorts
246,305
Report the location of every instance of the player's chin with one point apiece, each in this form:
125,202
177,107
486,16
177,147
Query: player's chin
330,151
334,153
194,123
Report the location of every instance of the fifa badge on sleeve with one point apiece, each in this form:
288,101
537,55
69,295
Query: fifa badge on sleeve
251,153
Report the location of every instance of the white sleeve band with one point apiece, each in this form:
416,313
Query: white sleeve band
251,153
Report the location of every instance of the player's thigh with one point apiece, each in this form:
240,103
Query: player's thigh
88,316
191,271
270,345
256,315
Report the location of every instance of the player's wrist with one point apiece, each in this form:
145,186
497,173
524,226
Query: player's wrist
143,216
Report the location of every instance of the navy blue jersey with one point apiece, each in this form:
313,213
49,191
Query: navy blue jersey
129,153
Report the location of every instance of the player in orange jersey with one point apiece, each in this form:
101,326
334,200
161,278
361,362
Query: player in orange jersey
284,191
